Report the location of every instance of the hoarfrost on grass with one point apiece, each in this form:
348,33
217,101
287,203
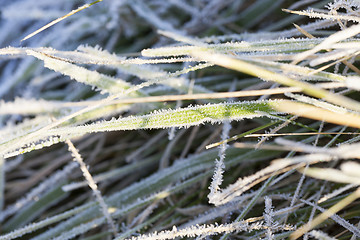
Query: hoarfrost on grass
128,52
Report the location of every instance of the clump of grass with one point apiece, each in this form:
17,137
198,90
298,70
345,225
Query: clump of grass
107,82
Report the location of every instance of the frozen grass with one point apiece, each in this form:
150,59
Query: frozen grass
160,104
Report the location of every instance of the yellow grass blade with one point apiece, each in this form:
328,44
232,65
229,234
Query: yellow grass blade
262,73
60,19
312,112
